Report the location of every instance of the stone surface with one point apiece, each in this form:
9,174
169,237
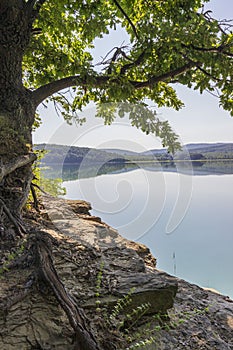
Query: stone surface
124,261
83,247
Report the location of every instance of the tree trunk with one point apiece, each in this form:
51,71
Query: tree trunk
16,108
17,112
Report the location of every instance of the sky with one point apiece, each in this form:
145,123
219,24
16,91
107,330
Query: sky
201,120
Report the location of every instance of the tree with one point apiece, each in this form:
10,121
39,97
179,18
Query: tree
45,48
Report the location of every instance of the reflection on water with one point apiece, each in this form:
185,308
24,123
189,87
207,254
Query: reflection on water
75,171
139,200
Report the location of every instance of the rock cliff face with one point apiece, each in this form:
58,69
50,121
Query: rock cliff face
98,267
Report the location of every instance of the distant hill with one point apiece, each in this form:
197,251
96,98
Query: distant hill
198,147
210,150
154,152
57,154
118,151
210,147
76,155
132,153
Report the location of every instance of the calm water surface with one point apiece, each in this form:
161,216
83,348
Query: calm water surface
186,221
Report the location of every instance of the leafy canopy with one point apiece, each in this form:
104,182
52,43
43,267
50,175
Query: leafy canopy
170,42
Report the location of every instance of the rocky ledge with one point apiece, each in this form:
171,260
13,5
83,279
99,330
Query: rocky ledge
111,278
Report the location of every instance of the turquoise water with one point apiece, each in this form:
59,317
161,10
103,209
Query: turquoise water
186,220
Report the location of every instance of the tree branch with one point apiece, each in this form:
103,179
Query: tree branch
217,49
136,63
163,77
49,89
16,163
127,17
212,76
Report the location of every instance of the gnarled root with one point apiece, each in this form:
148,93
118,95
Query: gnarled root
84,338
15,163
15,179
19,229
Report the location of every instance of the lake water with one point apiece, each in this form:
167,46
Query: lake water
185,219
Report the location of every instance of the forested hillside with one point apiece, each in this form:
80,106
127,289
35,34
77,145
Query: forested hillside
56,154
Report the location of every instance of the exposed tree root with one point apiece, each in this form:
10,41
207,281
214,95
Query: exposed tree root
84,338
19,229
34,196
12,193
16,163
39,188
